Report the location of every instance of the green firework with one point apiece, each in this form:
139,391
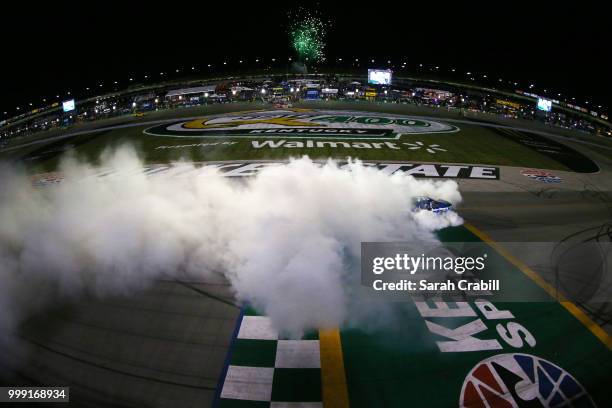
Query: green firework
308,38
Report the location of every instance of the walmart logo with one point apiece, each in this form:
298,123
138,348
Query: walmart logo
433,148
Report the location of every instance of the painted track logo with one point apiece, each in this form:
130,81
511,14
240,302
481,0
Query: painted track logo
300,124
46,179
521,380
541,175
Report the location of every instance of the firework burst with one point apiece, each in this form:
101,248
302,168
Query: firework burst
307,35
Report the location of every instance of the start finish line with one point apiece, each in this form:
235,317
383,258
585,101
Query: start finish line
437,354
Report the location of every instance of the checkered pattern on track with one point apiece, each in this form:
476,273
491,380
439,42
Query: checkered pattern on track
266,370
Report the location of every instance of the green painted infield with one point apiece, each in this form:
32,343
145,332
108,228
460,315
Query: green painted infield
472,144
404,365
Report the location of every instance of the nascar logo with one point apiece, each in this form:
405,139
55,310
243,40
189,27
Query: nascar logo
321,124
541,175
521,380
47,178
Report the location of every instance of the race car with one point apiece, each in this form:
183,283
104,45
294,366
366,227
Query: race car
423,203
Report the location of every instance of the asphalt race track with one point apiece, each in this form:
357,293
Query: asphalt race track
168,346
163,347
522,209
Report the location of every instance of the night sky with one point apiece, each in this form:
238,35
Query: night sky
48,50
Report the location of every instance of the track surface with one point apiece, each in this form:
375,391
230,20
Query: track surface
520,209
167,346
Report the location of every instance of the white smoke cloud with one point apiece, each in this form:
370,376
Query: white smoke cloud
286,239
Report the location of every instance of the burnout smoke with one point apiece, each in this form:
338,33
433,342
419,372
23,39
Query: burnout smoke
286,239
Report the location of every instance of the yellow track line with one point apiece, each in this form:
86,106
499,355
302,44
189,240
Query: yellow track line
333,379
578,313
